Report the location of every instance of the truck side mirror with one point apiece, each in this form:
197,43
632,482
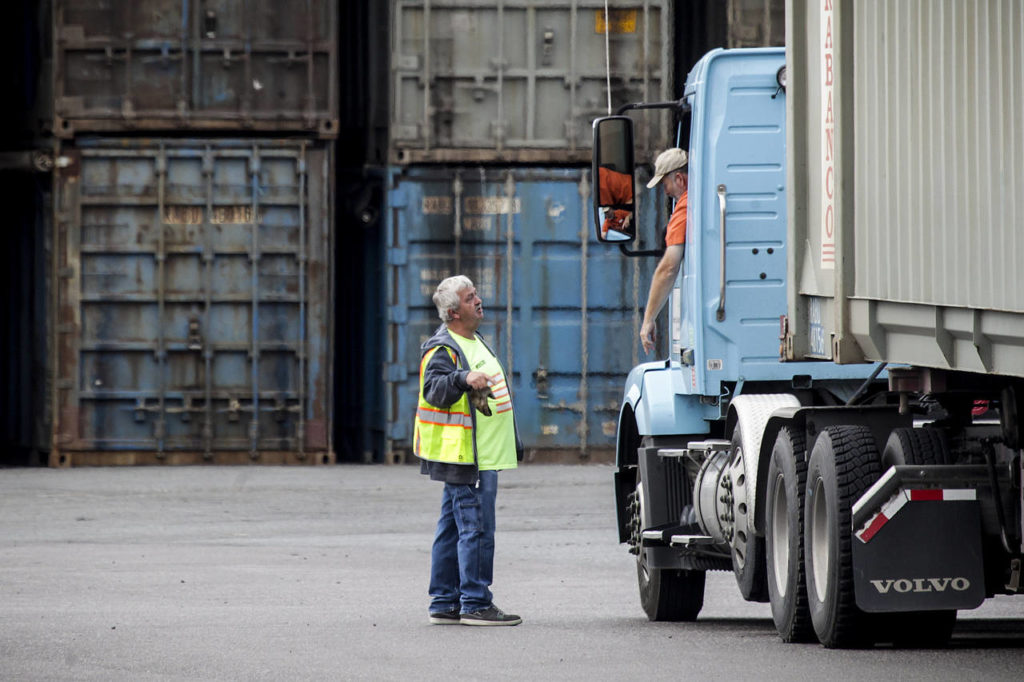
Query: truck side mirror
614,195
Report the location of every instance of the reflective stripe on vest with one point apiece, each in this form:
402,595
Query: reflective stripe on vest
443,434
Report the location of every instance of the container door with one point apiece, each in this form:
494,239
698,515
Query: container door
521,82
204,64
561,311
193,288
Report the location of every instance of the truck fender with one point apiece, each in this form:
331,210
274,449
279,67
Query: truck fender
753,412
654,398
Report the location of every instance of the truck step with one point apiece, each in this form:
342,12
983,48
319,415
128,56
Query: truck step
653,538
674,535
690,540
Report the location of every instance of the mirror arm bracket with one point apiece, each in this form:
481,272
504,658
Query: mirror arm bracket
641,254
679,106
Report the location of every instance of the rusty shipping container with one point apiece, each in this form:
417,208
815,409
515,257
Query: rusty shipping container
192,302
205,65
521,81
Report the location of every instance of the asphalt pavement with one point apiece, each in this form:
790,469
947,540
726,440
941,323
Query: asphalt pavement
276,573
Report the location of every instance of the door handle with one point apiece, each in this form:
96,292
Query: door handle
720,314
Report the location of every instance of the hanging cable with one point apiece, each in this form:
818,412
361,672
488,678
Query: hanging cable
607,58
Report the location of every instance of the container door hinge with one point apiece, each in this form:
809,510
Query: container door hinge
398,314
395,372
33,160
397,256
397,198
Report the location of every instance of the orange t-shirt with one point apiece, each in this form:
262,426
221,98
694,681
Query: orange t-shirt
676,233
616,188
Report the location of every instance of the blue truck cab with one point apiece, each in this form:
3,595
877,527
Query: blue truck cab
690,426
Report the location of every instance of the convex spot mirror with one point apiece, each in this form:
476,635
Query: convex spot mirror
614,197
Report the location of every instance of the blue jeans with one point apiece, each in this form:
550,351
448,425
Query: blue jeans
462,559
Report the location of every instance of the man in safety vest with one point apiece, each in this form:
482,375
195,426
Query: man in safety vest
461,446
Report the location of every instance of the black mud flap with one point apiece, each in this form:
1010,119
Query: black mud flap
920,555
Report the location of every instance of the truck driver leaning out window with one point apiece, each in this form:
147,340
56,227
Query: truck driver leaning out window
670,169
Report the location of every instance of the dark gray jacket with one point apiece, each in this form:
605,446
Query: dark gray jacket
443,384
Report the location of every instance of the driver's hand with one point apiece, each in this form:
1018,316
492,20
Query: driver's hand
647,336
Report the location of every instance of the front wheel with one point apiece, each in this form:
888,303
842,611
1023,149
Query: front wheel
665,594
843,464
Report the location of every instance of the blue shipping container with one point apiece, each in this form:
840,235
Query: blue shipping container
192,318
556,309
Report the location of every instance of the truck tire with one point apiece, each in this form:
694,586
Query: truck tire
747,548
916,446
671,595
917,628
784,538
843,464
665,594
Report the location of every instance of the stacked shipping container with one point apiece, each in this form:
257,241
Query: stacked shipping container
491,110
491,113
192,274
179,286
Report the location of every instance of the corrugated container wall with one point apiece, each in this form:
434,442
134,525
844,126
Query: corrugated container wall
192,303
561,310
521,81
908,175
204,65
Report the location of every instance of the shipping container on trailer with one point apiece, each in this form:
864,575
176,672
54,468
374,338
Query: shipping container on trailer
520,81
907,202
192,299
561,314
907,208
205,65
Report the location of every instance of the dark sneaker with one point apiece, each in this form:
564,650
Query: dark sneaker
445,617
492,615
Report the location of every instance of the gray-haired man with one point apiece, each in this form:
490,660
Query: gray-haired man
464,447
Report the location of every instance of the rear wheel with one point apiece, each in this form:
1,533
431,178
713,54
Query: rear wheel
665,594
843,464
916,446
747,548
784,538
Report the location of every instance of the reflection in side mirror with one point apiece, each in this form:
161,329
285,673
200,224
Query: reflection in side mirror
614,198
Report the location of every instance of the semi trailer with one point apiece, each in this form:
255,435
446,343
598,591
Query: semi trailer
838,420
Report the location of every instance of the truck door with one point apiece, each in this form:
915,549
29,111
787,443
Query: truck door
734,277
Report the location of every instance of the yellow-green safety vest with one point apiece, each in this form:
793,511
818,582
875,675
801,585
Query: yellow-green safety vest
443,434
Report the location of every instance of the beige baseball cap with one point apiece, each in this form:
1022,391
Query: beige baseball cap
667,162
